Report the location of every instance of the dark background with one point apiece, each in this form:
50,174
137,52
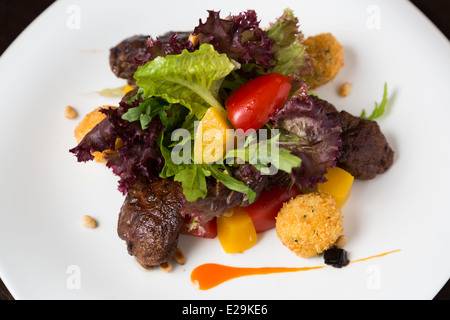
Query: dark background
17,15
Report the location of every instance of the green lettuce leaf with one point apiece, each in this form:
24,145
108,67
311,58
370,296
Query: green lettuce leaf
170,115
264,154
146,110
379,108
230,182
193,175
191,78
291,55
193,181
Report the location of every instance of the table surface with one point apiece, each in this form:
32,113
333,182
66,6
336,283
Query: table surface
15,16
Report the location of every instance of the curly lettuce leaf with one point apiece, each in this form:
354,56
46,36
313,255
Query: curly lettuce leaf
191,79
161,47
147,110
379,108
193,176
239,37
139,157
265,155
170,115
307,133
291,56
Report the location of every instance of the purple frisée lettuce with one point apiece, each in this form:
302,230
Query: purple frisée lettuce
239,37
160,48
307,133
139,157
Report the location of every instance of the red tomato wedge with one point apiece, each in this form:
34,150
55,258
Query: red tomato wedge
251,105
264,210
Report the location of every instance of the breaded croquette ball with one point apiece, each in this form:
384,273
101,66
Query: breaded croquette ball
327,57
309,223
87,124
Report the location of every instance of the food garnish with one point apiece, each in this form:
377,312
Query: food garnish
379,109
119,91
70,112
345,89
209,275
87,124
89,222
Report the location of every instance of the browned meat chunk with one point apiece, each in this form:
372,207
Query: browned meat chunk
121,57
365,150
150,221
181,35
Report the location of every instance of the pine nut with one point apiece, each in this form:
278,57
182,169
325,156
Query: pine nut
166,267
345,89
70,113
89,222
179,257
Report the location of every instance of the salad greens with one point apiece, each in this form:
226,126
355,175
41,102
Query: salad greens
193,177
290,53
265,155
379,108
178,81
191,78
239,37
308,133
146,110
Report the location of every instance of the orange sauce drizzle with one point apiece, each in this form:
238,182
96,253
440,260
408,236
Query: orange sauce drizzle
210,275
377,256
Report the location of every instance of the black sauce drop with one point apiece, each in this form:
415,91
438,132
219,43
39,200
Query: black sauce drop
335,257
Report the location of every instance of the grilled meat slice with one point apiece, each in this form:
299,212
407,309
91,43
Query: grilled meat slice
365,151
150,221
121,57
181,35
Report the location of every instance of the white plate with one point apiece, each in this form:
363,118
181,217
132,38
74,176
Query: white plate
62,57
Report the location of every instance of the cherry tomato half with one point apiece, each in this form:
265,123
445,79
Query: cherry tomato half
251,105
264,210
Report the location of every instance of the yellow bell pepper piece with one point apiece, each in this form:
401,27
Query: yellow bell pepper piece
127,89
236,233
339,184
210,141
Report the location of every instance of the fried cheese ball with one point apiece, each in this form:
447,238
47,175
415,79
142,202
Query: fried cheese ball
327,57
87,124
309,223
